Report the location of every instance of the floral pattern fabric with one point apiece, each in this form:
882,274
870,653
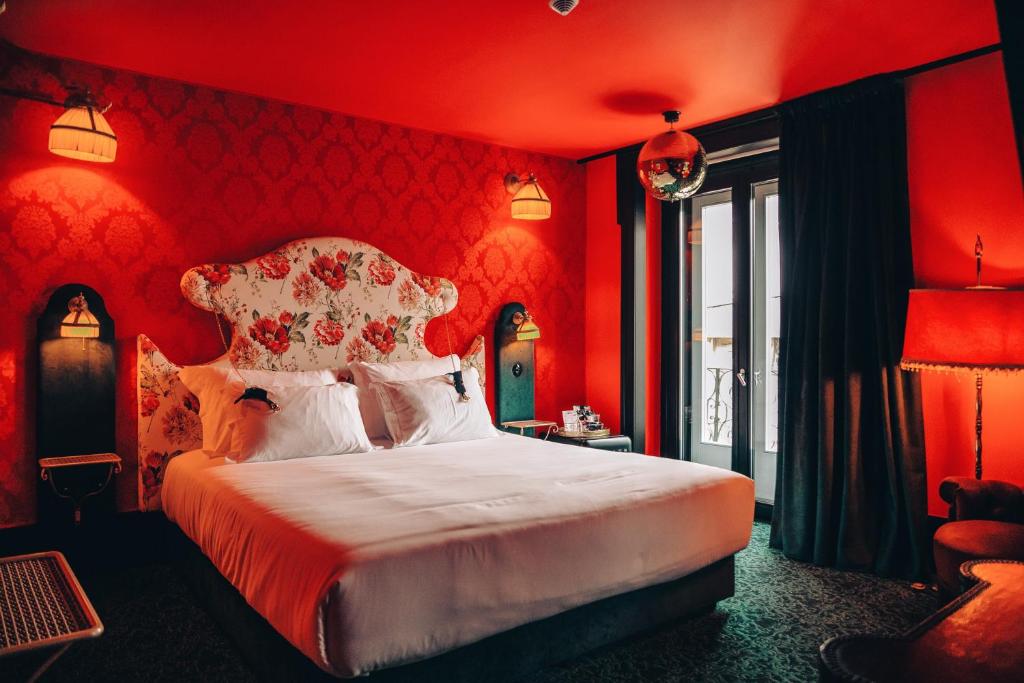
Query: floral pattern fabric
320,302
168,420
310,304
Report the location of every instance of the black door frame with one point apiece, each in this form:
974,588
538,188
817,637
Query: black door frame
739,176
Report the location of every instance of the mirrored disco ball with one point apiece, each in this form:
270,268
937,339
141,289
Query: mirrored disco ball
672,166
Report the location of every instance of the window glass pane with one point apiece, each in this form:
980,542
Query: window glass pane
716,317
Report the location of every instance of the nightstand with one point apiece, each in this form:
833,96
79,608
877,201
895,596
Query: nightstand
614,442
81,476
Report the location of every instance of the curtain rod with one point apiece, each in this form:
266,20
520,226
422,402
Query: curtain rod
767,112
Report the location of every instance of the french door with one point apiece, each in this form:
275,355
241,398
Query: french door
732,318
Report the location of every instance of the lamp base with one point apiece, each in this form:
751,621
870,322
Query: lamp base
977,426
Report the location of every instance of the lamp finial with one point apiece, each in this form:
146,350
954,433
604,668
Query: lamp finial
979,249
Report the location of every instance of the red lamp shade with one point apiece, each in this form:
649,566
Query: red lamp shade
973,330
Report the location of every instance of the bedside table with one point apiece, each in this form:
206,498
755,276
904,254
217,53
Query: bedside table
614,442
74,472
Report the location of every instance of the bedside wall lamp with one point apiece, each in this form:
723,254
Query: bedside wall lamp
526,328
529,201
79,322
81,132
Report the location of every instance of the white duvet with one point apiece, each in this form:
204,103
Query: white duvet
377,559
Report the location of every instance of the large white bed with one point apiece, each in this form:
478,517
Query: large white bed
374,560
488,557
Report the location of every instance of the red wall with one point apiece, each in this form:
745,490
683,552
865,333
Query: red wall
202,175
604,297
965,180
603,294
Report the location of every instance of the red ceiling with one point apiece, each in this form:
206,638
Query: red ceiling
511,72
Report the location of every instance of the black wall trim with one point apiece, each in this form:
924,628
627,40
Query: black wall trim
632,218
672,433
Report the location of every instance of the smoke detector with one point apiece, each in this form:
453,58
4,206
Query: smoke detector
563,7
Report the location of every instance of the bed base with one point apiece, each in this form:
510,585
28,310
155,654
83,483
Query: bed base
506,656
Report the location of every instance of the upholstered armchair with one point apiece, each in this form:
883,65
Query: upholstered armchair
986,521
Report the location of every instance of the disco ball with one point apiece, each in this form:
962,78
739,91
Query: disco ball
672,165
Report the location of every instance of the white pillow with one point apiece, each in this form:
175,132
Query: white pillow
422,411
217,388
311,421
364,374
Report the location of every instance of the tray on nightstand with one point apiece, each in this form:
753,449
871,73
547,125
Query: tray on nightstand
595,434
609,442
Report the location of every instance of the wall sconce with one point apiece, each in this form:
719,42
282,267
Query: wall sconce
81,132
529,201
79,322
526,329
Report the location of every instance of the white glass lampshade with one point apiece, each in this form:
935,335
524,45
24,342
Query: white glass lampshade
79,322
531,203
83,133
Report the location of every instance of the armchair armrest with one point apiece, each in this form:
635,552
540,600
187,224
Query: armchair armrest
985,499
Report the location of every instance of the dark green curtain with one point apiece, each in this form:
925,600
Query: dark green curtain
1011,30
851,489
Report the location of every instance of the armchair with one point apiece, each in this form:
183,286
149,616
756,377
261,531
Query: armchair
986,521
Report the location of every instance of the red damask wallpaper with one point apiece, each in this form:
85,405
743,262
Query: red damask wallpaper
208,176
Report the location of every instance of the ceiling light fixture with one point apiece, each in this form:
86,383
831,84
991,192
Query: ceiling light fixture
672,165
563,7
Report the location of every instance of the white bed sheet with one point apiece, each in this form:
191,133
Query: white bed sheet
373,560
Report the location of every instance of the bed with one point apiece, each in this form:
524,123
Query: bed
468,560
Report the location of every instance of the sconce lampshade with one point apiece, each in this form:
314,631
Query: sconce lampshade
83,133
79,322
526,329
965,330
530,202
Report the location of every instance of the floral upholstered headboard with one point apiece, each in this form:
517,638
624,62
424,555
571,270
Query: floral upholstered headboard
311,304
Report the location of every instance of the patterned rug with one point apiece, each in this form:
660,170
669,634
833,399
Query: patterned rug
770,631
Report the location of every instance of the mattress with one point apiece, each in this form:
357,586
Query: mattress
374,560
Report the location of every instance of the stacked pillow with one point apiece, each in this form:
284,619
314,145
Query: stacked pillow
318,415
311,421
423,411
409,402
365,375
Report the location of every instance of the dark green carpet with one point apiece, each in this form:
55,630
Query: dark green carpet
769,632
